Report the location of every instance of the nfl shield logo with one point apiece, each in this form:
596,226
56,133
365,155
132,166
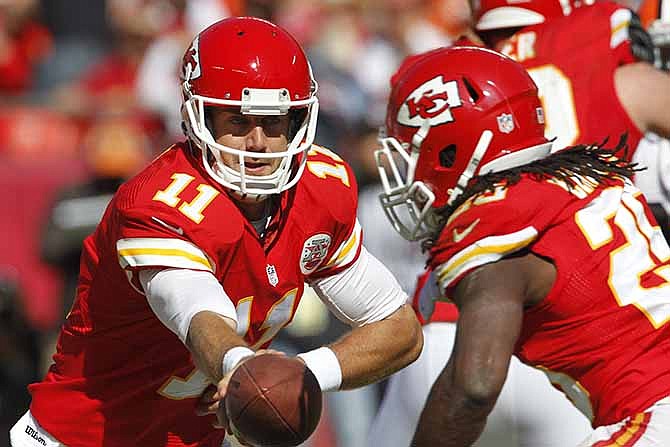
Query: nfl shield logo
314,251
505,122
273,279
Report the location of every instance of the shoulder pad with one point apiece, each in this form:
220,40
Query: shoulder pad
328,177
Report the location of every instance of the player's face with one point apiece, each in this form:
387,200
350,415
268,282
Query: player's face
252,133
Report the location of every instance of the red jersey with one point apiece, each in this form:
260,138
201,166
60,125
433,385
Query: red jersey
572,60
120,377
601,335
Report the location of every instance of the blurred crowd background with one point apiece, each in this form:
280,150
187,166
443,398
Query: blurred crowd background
89,94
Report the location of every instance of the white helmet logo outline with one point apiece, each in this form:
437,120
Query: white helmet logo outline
191,63
432,101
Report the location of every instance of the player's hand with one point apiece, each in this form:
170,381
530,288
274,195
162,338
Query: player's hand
206,403
218,398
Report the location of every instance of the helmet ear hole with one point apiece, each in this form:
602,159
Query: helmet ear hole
472,91
448,156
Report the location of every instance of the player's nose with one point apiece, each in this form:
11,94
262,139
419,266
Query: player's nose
256,140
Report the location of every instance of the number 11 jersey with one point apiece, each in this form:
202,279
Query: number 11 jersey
120,377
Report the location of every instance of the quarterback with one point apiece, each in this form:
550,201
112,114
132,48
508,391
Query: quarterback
202,258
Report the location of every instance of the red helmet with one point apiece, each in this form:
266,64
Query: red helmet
496,14
454,114
255,65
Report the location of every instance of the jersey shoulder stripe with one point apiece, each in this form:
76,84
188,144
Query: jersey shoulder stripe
484,251
347,251
164,252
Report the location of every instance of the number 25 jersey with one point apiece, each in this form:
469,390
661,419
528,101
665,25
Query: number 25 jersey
121,378
602,334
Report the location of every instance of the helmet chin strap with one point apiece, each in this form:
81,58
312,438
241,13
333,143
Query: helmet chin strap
477,155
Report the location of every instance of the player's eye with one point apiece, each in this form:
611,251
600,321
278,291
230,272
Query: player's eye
271,121
238,120
273,126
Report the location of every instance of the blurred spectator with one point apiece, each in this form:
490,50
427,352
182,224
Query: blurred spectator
38,155
108,87
88,23
157,85
29,132
24,42
112,153
79,40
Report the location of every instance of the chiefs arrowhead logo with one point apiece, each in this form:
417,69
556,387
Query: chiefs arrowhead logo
190,68
433,101
314,251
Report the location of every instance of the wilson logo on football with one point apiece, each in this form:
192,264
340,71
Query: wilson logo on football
314,251
191,63
433,101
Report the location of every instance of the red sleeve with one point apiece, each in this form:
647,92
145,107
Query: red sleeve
330,180
620,27
491,226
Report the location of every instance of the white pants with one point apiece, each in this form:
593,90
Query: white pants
528,413
28,433
650,428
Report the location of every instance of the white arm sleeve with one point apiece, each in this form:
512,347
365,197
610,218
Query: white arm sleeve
363,293
177,295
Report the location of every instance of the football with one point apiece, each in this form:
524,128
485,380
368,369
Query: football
273,401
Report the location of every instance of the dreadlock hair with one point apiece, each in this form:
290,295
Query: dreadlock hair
592,163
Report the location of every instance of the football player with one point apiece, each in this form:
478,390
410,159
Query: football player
529,411
202,258
593,63
553,257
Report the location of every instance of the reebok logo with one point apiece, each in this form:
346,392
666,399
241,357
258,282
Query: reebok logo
460,235
35,435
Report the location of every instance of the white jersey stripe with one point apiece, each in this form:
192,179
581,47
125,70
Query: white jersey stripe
347,250
619,21
165,252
